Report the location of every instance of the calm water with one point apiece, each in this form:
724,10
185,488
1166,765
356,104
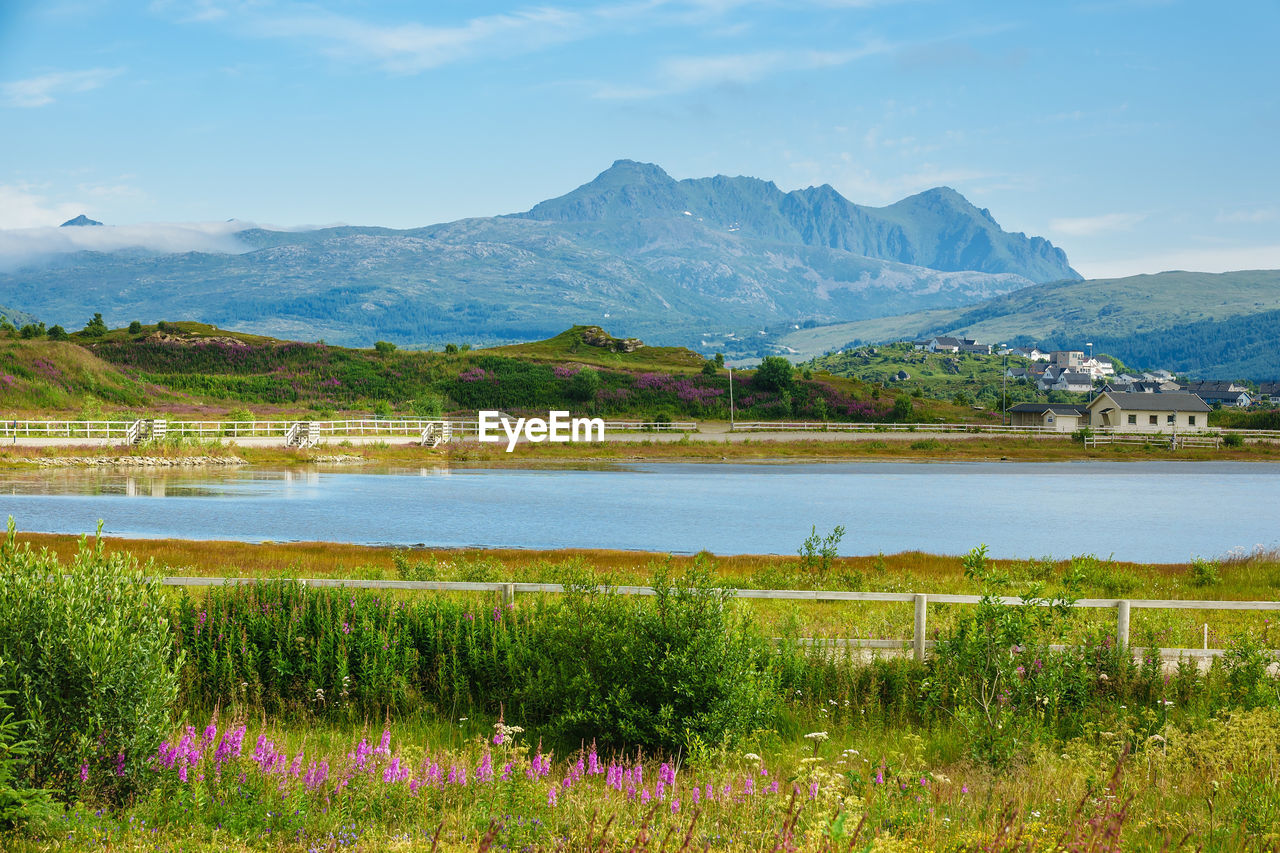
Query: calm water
1138,511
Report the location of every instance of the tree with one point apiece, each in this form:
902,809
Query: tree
902,409
450,349
773,374
720,360
57,333
32,330
384,347
708,368
95,328
135,328
584,384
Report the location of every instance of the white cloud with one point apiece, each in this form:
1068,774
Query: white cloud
43,90
1248,216
1087,226
20,246
22,207
683,74
1195,260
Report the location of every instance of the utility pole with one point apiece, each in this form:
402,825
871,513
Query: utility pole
1004,386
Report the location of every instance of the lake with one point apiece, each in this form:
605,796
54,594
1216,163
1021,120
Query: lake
1142,511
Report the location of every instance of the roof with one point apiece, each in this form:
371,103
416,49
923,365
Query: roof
1220,395
1164,401
1041,408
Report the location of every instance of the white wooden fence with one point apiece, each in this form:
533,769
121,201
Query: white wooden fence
824,426
289,432
920,601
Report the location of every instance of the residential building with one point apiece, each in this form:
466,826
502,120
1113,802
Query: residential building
1269,393
1169,411
1066,358
1239,399
1056,416
1063,379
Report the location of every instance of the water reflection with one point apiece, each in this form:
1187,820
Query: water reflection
1129,510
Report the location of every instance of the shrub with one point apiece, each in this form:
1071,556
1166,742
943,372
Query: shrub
1205,572
1231,439
584,384
18,805
57,333
93,670
384,347
95,328
773,374
708,368
135,328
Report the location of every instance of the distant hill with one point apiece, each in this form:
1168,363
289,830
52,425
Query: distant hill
707,263
1220,325
17,318
80,220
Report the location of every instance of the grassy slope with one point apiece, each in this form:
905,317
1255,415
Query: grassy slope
208,372
1103,307
938,375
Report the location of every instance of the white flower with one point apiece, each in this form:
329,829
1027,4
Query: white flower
751,756
817,736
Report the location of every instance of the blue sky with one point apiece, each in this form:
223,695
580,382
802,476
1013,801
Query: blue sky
1138,135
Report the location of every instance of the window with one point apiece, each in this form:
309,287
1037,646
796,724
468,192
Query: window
1191,420
1133,419
1171,420
1153,420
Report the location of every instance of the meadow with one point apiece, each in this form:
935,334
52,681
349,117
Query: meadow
276,716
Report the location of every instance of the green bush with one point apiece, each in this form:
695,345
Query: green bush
584,384
1230,439
96,327
773,374
92,666
1205,572
18,805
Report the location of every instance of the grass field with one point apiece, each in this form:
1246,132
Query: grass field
1081,751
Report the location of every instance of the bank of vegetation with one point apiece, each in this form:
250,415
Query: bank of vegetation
279,716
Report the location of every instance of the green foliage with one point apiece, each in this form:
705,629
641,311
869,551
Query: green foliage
773,374
135,328
720,360
1204,573
902,410
708,368
450,349
584,384
95,328
817,553
644,671
57,333
428,406
1231,439
382,409
32,330
91,667
19,805
384,347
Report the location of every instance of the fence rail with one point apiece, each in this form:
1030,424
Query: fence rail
920,601
812,426
288,432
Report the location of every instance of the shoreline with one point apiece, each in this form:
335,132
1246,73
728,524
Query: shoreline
750,448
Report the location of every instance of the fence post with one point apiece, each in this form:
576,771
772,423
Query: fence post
1122,624
508,594
922,615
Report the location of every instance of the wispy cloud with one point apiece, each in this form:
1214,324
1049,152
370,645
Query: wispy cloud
1248,216
684,74
1088,226
25,246
24,206
45,89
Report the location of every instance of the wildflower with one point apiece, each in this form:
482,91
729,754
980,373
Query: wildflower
879,777
84,772
813,790
751,756
964,789
773,789
384,746
484,773
645,796
675,806
817,736
551,796
346,627
120,764
749,787
696,796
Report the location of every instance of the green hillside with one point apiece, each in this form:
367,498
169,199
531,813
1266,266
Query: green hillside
1200,323
197,370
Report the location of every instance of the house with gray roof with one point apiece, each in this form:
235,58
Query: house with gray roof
1061,417
1169,411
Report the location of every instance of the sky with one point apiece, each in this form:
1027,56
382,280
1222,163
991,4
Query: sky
1138,135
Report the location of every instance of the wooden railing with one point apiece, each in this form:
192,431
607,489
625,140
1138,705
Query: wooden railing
823,426
920,602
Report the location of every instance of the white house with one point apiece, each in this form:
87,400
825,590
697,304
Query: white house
1055,416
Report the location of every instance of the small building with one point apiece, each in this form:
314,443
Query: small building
975,348
1061,379
1066,358
1169,411
1268,393
1239,399
1061,417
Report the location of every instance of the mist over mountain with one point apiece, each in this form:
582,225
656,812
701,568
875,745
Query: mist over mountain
676,262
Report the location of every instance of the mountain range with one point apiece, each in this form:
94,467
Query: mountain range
675,262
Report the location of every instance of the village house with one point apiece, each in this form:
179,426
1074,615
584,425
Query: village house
1029,353
1268,393
1062,379
1170,411
1061,417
